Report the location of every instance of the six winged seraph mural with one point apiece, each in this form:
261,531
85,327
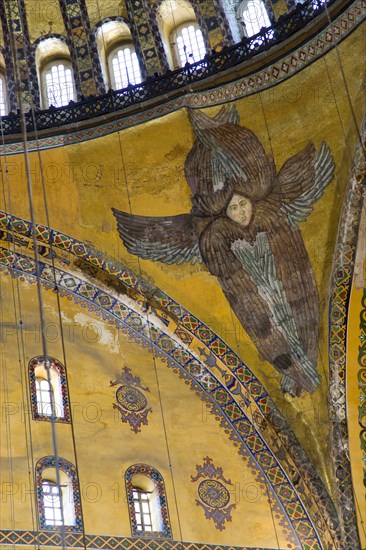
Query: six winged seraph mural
243,227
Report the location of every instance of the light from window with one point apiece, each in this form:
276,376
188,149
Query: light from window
48,388
142,510
190,44
125,68
254,17
59,85
44,397
52,498
2,96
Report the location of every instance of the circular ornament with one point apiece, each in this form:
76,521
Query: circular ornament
213,493
131,398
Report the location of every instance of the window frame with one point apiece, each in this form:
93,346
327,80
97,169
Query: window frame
241,8
70,496
37,369
43,404
143,497
4,92
176,34
113,53
153,486
52,485
45,70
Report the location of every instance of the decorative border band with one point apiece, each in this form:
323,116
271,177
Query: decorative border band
342,276
238,381
106,542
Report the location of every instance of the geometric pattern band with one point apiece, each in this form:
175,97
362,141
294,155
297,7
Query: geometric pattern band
106,542
224,397
250,442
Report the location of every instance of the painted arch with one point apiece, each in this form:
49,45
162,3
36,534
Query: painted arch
197,355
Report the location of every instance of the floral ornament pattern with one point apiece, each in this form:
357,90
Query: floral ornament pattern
131,401
213,495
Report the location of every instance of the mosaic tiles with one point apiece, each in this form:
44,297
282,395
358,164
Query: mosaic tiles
70,471
245,435
262,79
341,287
17,24
106,542
160,495
144,30
8,61
86,73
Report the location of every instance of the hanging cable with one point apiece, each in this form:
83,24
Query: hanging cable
344,81
36,255
17,307
9,443
59,311
324,392
153,355
350,154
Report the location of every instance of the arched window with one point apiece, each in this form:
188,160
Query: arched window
254,16
57,84
124,68
189,44
58,504
55,72
181,34
48,400
147,502
118,59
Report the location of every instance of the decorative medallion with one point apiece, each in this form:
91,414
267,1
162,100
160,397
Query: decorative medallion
213,496
131,398
213,493
131,401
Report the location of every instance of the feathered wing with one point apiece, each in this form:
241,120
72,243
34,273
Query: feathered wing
171,239
303,179
249,277
258,261
228,114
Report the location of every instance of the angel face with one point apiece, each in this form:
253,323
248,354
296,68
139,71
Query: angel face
240,210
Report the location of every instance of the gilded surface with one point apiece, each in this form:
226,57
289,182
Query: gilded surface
140,170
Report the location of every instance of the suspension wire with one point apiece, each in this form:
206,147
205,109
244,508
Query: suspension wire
323,391
148,325
345,138
340,64
42,315
37,262
323,370
153,355
5,391
20,345
59,309
350,156
56,290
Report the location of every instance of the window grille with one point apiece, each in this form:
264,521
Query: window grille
189,44
58,84
124,67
